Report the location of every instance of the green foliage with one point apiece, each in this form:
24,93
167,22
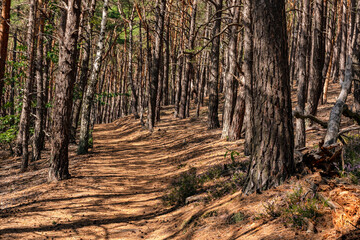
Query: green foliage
236,218
8,130
185,186
351,168
233,154
297,209
209,214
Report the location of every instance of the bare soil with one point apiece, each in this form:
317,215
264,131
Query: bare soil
117,190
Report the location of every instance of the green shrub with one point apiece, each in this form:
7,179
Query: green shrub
185,186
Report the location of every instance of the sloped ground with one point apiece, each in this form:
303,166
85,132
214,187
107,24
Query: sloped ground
116,191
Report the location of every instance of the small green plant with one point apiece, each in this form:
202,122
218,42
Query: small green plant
232,153
185,186
300,207
213,213
236,218
271,210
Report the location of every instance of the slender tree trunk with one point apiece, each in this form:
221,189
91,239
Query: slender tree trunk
213,118
247,69
356,60
84,72
4,37
88,99
59,159
300,139
24,126
229,79
39,135
156,59
187,76
316,60
272,144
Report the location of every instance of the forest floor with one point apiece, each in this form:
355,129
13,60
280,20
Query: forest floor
117,190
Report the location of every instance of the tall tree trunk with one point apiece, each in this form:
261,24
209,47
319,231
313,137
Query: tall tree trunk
84,69
300,139
90,92
356,60
272,144
4,37
134,101
316,59
247,69
188,74
213,118
22,141
229,79
156,59
40,101
59,159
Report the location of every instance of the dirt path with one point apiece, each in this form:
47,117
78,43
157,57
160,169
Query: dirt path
116,191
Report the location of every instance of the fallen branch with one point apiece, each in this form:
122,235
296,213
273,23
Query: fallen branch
350,114
311,117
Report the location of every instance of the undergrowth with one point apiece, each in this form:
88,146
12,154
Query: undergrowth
296,210
223,178
351,166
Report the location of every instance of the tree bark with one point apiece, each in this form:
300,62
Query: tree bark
38,140
213,118
90,92
156,59
229,77
59,158
24,126
336,112
300,137
188,74
4,37
316,60
272,144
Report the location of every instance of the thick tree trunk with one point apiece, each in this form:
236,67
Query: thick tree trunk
90,92
4,37
272,144
59,159
229,77
213,118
